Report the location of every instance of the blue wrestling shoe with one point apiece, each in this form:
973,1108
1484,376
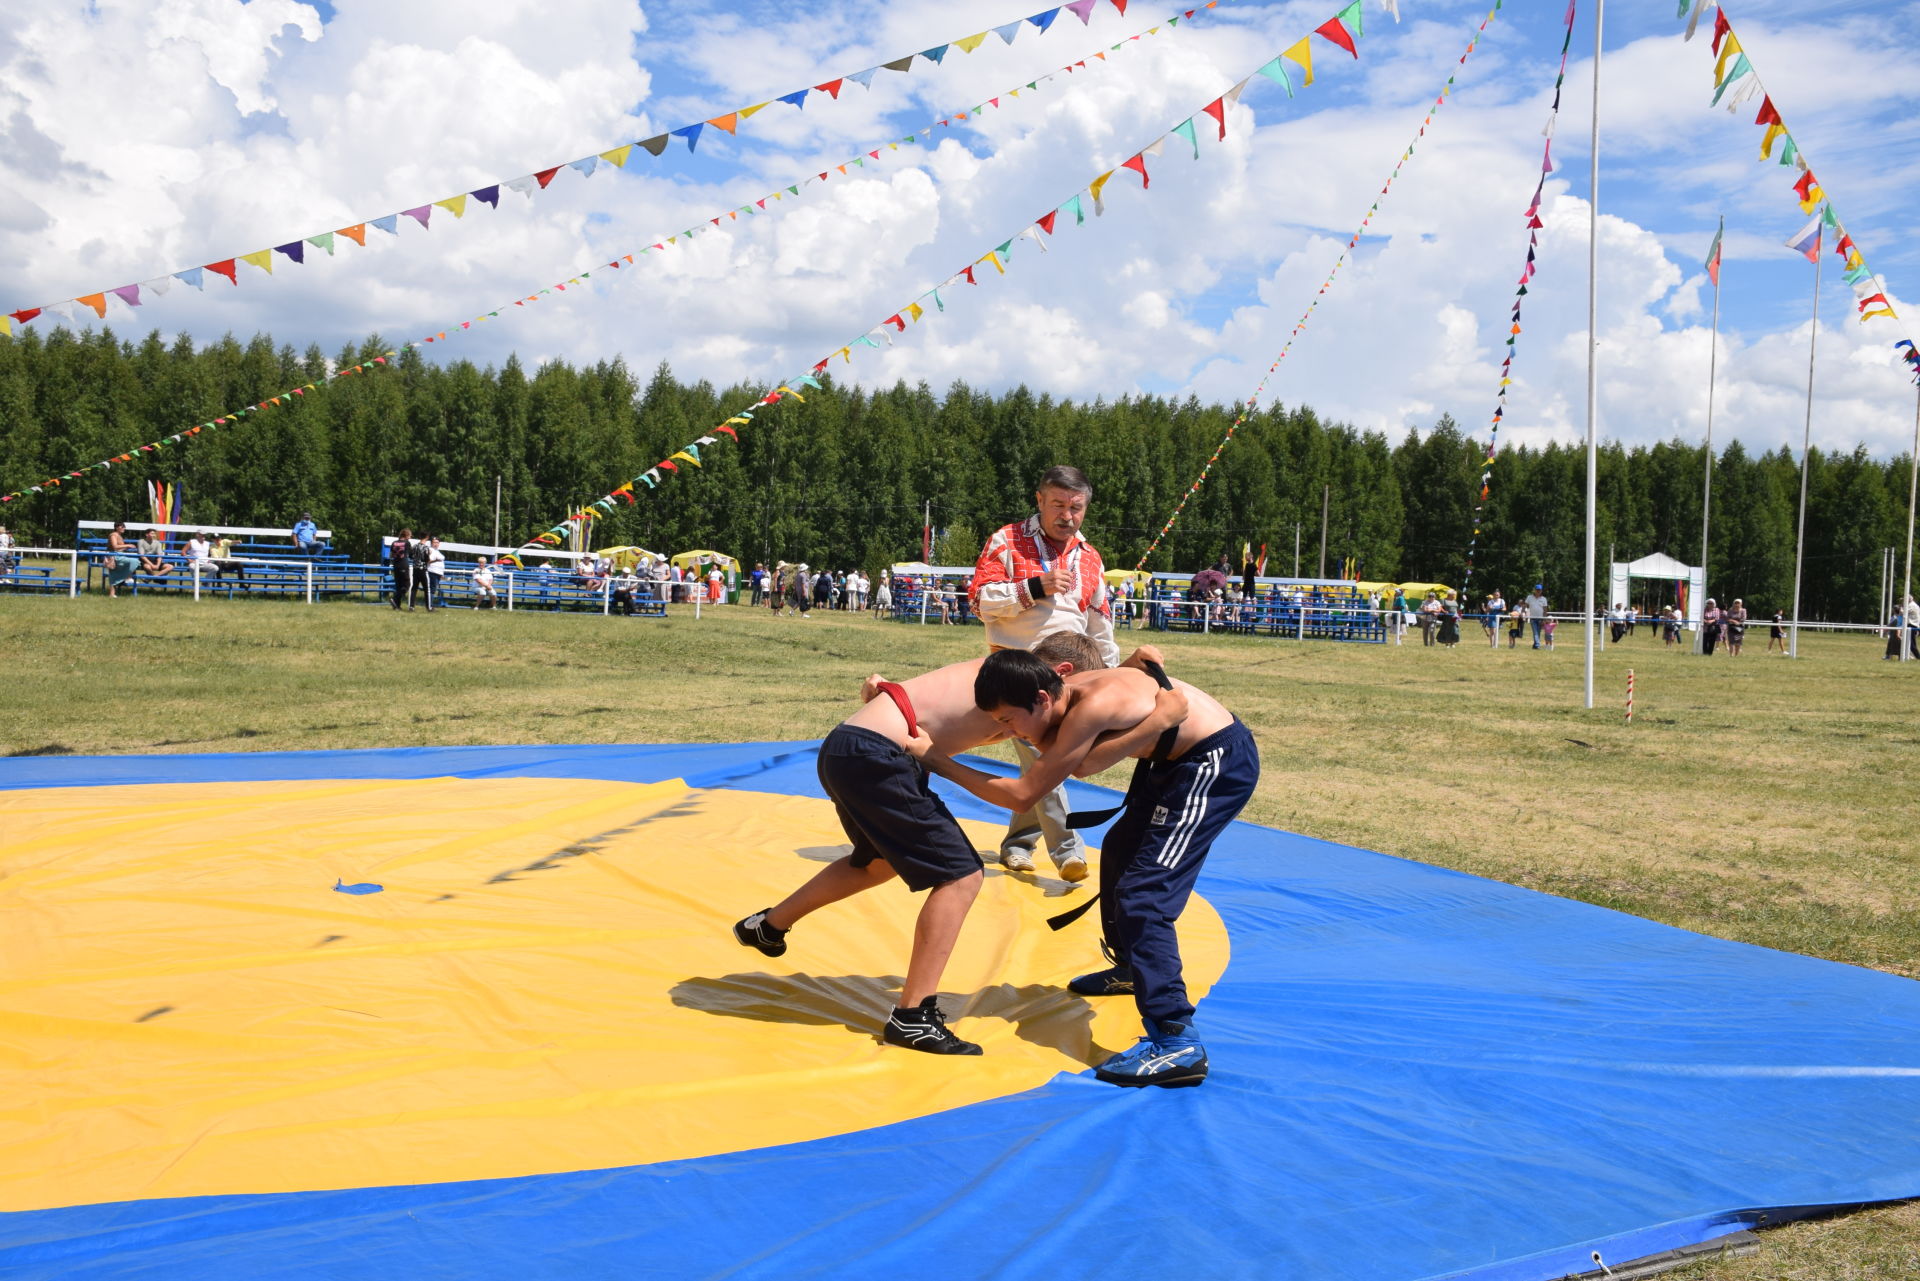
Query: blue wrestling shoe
1116,980
1167,1055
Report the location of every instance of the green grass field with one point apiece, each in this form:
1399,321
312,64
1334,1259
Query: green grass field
1758,799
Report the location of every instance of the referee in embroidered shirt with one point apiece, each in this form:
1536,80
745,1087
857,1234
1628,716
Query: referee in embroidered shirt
1036,577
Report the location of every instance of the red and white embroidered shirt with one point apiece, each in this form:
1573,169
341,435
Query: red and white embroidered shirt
1015,616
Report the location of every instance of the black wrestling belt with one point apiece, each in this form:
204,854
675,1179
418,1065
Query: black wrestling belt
1162,750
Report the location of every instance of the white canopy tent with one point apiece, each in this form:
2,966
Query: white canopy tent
1668,569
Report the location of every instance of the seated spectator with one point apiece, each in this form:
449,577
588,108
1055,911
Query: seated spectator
306,535
200,554
624,587
221,554
153,554
484,596
7,558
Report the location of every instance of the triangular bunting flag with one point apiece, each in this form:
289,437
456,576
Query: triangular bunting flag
1275,71
1093,189
1218,110
261,258
322,241
1185,130
1302,53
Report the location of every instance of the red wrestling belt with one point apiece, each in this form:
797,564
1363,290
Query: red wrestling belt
898,693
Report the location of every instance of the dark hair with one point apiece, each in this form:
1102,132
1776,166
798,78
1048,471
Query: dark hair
1064,477
1013,678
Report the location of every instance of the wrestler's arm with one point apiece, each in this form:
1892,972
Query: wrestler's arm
1071,742
1114,746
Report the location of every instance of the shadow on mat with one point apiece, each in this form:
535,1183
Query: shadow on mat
1046,1016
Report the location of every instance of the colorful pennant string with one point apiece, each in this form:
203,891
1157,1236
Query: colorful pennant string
793,190
186,435
1519,297
139,294
1300,325
916,309
1736,82
357,233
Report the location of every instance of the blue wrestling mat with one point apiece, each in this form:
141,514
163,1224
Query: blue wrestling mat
218,1068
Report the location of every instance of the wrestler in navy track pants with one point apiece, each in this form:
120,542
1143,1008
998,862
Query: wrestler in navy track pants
1152,856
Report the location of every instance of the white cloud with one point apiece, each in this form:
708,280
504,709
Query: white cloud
142,138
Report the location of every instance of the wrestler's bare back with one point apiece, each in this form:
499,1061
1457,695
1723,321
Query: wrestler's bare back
943,703
1121,697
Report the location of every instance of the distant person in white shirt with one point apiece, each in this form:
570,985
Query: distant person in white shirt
436,571
484,595
200,554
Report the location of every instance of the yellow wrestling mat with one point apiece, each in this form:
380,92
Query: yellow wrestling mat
548,982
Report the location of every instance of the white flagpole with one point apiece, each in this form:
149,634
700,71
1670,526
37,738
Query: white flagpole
1913,490
1593,335
1806,441
1706,496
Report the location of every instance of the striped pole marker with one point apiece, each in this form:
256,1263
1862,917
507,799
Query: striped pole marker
1629,696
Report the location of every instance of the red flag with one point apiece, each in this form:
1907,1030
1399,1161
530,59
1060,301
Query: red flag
1337,33
1218,110
1045,224
1139,165
1721,28
545,176
831,88
225,268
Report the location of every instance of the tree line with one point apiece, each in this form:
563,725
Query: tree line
845,478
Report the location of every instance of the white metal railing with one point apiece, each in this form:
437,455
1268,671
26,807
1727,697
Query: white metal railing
73,555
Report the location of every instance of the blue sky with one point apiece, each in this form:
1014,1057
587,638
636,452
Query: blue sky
145,139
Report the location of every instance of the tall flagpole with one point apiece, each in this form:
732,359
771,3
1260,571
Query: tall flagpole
1806,442
1713,357
1593,335
1913,491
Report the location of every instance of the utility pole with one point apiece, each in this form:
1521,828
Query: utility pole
1296,549
1913,489
1806,450
1325,490
1593,333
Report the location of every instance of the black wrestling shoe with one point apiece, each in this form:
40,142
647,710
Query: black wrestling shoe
924,1028
1115,981
754,932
